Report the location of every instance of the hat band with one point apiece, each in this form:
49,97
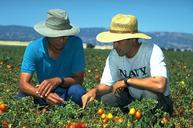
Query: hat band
59,27
117,31
58,24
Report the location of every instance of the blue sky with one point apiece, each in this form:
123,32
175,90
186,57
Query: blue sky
153,15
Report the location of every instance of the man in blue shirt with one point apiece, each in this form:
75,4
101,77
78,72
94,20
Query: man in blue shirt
57,59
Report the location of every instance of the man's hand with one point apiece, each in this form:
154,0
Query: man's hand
47,86
118,86
89,96
53,98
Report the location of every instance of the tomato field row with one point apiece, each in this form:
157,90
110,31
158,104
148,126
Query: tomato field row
25,114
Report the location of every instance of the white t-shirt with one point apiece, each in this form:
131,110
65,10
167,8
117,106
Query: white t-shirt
148,61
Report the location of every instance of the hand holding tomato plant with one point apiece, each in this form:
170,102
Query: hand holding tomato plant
54,98
47,86
89,96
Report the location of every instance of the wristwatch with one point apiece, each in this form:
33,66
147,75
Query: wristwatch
125,81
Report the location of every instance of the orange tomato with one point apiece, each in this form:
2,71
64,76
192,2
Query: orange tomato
100,111
3,107
1,112
192,104
105,120
119,119
165,120
138,114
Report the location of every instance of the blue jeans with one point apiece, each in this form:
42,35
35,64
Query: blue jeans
74,92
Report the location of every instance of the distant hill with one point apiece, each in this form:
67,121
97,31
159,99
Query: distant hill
17,33
175,40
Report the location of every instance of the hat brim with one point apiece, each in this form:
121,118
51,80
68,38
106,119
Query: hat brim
42,29
108,37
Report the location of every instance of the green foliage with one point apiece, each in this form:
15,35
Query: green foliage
25,114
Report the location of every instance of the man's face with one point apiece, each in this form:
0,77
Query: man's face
123,47
58,42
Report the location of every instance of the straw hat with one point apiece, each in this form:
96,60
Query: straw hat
122,27
57,24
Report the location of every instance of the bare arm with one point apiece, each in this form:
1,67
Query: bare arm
156,84
25,85
77,78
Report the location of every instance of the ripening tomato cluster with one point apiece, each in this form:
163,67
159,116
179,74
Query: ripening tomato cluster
3,108
136,113
105,117
108,116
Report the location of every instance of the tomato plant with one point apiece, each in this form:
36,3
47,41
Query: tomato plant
24,113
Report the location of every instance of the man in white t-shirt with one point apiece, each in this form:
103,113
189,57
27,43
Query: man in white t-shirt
133,70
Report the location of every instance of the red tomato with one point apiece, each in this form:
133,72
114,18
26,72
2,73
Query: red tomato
81,125
5,123
3,107
97,77
138,114
71,125
76,125
100,111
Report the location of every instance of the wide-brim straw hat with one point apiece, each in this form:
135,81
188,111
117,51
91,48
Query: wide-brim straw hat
122,27
57,24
